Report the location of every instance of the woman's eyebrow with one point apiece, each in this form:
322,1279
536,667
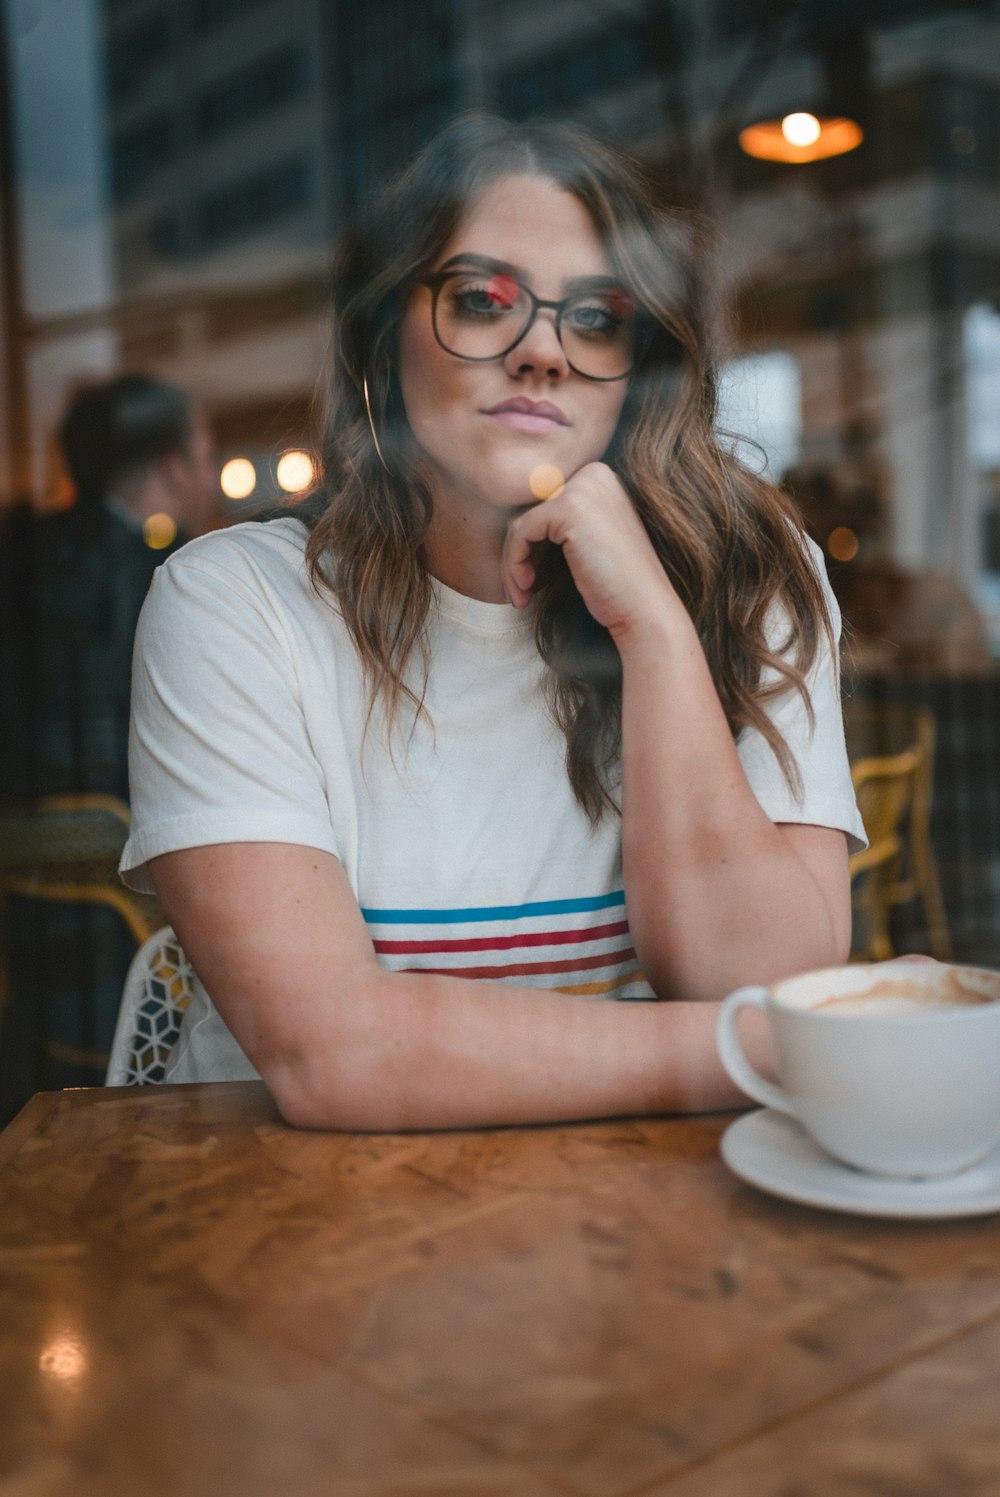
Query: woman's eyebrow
485,262
507,267
593,283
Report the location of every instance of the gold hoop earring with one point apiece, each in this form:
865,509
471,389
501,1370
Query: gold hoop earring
371,423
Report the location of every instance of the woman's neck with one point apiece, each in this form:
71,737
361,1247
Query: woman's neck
464,547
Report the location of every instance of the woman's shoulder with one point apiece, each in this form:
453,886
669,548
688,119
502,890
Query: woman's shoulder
252,545
815,560
260,559
254,567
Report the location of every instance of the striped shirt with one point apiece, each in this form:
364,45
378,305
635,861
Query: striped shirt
461,841
574,945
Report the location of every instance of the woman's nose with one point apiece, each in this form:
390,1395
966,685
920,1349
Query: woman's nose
539,349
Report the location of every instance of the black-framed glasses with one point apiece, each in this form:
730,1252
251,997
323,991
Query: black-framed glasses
481,314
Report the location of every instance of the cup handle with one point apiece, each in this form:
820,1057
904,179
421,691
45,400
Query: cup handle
731,1051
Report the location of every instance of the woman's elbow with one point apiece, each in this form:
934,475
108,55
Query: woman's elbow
296,1100
343,1083
328,1098
705,970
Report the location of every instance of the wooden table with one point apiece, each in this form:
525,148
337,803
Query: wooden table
195,1300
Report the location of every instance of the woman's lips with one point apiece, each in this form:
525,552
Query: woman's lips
528,415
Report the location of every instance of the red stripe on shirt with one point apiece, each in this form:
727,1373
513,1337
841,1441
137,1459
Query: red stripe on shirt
506,943
533,969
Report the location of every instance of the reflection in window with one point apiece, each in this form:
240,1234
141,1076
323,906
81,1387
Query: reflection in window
982,385
236,211
138,153
982,364
243,95
253,202
760,411
136,51
208,15
619,55
396,78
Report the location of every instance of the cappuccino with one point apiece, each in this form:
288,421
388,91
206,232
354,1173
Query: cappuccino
891,1067
884,1003
900,996
902,987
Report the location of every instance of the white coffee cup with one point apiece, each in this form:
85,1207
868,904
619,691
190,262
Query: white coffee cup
892,1067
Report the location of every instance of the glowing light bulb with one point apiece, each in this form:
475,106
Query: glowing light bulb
800,129
64,1358
159,531
238,478
296,471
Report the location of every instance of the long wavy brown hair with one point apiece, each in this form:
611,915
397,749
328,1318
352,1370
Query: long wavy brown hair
728,541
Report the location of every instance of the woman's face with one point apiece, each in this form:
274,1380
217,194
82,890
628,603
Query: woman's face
482,429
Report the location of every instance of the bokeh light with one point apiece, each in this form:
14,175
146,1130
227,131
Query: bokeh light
63,1358
296,470
800,138
842,543
546,481
238,478
800,129
60,490
159,531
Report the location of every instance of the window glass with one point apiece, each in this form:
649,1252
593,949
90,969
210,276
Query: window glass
760,411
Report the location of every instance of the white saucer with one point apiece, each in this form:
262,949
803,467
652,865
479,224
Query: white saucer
774,1152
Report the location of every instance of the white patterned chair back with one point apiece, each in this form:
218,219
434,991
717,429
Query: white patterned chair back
158,987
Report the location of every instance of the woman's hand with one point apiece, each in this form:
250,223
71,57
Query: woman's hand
610,556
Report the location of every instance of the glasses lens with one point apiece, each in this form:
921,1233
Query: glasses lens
598,333
479,314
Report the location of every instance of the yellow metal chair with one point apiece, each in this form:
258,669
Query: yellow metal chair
892,766
66,848
63,850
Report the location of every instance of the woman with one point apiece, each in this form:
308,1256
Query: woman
419,776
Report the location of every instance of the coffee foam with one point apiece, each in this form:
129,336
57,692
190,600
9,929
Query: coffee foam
884,999
891,987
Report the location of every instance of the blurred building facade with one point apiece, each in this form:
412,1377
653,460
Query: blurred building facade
219,144
174,173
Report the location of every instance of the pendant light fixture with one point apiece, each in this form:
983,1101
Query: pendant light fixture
801,136
820,128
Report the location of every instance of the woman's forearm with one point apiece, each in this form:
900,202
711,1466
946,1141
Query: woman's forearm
275,934
422,1051
716,895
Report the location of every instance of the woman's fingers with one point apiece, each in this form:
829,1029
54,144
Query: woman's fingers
572,509
520,583
605,544
525,536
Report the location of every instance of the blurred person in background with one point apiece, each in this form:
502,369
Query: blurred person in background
898,622
906,623
138,455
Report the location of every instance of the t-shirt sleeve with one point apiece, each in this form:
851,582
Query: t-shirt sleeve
218,747
826,795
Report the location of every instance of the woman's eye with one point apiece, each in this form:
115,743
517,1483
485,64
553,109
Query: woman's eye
485,298
594,317
476,299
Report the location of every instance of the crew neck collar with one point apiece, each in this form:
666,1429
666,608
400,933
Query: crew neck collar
487,618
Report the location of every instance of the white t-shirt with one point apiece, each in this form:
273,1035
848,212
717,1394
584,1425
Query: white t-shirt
464,846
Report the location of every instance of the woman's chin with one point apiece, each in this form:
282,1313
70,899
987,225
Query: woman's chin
524,482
